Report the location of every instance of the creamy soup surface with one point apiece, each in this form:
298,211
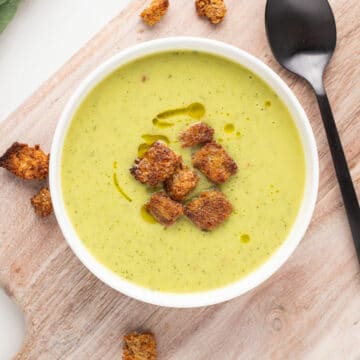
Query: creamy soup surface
105,203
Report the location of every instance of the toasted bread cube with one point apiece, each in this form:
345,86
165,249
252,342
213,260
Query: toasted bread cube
157,164
165,210
214,10
181,182
209,210
214,162
156,10
199,133
42,202
26,162
139,347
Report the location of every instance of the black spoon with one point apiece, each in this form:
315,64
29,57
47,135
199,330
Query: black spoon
302,36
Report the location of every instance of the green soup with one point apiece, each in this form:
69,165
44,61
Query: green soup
105,203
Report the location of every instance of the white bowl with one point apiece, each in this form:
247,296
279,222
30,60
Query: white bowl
275,261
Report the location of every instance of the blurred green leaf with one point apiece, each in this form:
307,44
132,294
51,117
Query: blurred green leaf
7,11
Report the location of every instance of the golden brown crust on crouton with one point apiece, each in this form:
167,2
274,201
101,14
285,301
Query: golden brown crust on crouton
25,161
214,10
181,182
155,11
214,162
165,210
199,133
157,164
209,210
139,347
42,202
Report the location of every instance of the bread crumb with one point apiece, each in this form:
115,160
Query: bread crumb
214,10
209,210
165,210
42,202
155,11
157,164
199,133
179,185
214,162
26,162
139,347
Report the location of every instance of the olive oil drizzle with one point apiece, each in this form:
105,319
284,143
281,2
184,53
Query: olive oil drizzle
194,110
150,139
117,185
229,128
142,149
162,124
147,216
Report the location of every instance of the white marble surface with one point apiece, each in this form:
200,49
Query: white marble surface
42,36
12,327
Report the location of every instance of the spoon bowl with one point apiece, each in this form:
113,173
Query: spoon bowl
302,35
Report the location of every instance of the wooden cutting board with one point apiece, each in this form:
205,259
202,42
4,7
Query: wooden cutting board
307,310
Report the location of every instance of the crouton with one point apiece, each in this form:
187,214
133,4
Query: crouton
209,210
214,162
181,182
26,162
42,202
139,347
214,10
165,210
153,14
157,164
199,133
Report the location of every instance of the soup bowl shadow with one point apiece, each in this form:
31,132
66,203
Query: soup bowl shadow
282,253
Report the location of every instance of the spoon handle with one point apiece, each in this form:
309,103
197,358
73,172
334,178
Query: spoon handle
342,171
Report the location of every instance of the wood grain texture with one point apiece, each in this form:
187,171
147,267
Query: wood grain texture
307,310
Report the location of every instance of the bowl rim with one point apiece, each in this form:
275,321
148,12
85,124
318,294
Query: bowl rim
275,261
